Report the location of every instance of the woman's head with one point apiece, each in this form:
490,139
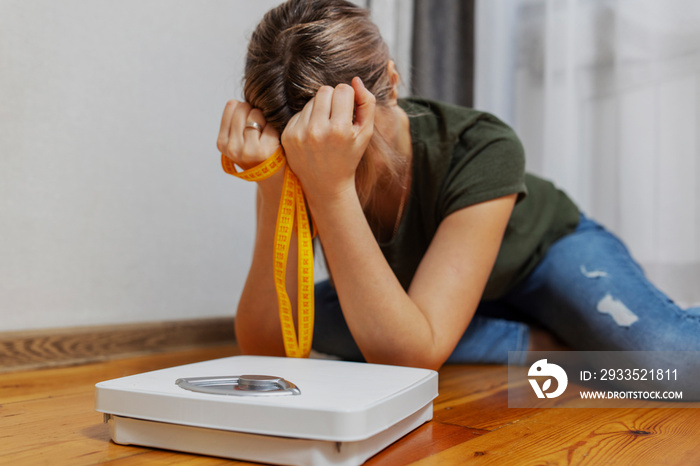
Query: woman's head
302,45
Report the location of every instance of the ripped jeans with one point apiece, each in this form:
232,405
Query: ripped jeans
587,290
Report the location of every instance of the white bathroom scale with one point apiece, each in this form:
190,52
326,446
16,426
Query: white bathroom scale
270,410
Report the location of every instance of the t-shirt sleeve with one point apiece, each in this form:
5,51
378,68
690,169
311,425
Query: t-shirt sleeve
488,162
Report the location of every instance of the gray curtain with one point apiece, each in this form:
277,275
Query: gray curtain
443,50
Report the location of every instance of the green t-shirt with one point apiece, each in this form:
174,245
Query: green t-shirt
462,157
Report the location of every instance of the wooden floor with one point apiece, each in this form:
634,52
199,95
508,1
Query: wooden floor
47,417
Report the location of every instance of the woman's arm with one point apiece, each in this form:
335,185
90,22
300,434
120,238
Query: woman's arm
324,143
421,327
257,319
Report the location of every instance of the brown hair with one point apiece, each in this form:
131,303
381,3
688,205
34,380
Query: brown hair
302,45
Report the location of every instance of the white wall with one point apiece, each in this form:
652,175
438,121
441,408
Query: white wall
113,205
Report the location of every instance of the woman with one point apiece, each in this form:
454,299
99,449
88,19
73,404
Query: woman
439,246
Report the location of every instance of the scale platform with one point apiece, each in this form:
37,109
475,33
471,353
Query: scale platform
270,410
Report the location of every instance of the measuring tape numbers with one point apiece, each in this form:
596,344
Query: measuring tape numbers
292,207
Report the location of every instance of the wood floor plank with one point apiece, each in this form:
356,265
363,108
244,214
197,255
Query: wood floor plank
476,397
586,436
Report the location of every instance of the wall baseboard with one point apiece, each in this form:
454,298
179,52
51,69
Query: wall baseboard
37,349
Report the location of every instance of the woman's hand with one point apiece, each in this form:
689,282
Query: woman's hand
325,142
247,146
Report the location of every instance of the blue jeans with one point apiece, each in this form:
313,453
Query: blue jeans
587,290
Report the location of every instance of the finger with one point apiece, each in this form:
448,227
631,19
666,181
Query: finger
321,111
235,134
222,140
240,116
289,130
251,132
293,121
301,119
252,150
365,104
343,104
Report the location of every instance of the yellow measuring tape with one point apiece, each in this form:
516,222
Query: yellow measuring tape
292,201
